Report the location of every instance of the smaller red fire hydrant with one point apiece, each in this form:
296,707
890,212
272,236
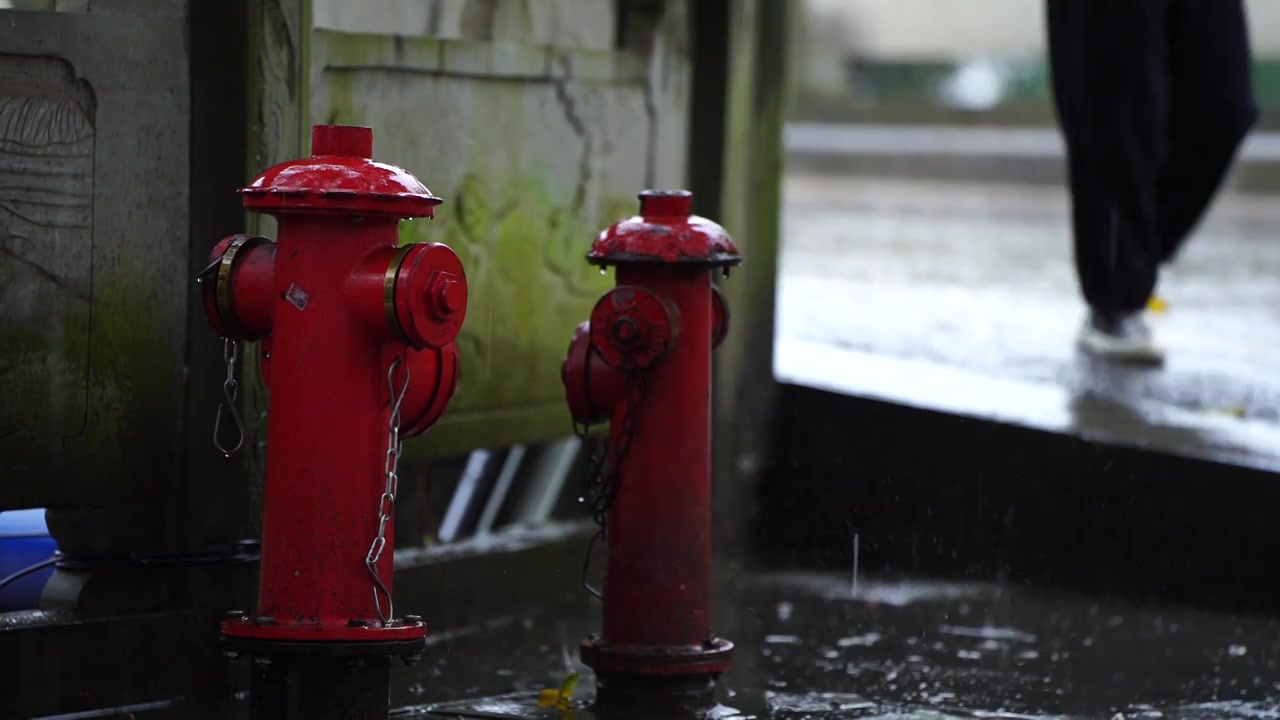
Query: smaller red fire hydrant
643,363
357,349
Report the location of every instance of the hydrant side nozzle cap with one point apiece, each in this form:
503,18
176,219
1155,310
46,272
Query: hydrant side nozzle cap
346,140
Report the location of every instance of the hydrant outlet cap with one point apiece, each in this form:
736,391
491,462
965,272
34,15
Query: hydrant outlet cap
666,233
340,179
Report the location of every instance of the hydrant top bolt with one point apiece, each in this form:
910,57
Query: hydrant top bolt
666,203
345,140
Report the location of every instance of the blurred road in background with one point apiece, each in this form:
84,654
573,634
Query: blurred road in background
965,141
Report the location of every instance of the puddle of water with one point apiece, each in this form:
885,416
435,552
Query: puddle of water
770,705
864,640
1218,710
895,594
988,632
904,714
815,702
783,640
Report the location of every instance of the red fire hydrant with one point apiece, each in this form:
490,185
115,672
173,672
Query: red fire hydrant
357,349
643,362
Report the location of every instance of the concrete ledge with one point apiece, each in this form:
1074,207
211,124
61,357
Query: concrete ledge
929,492
1096,414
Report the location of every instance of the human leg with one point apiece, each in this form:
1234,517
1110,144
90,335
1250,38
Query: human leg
1212,109
1107,62
1109,72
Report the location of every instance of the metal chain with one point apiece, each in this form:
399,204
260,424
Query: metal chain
387,502
604,477
230,388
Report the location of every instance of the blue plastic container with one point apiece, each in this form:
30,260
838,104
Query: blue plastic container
24,541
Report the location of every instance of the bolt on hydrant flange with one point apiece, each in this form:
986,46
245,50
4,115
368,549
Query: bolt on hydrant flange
643,363
357,350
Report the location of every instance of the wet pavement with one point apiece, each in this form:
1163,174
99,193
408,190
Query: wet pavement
827,646
962,298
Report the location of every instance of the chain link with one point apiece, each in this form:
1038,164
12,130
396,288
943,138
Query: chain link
230,388
604,477
387,502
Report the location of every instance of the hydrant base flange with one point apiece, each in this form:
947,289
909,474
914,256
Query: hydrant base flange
360,631
709,658
321,680
257,647
673,697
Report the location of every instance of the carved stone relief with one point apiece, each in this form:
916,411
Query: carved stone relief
46,248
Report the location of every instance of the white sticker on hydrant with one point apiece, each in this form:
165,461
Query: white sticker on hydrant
297,296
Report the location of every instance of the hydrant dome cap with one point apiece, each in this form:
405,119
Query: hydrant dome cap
340,177
665,232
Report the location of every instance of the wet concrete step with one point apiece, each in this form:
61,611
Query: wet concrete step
1173,413
938,494
934,404
964,299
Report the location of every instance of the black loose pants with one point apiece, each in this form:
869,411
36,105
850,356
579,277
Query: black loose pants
1154,99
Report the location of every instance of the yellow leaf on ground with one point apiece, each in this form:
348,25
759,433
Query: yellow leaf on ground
559,698
548,698
569,684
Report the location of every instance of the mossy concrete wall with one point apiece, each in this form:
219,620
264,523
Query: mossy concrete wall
535,148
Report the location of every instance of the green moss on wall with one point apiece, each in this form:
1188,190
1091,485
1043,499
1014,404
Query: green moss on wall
96,399
528,280
530,286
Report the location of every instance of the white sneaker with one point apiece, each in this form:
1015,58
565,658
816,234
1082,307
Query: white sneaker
1124,340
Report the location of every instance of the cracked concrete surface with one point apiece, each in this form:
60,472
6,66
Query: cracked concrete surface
962,298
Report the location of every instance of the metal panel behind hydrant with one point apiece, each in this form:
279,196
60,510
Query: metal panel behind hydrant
643,363
357,349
